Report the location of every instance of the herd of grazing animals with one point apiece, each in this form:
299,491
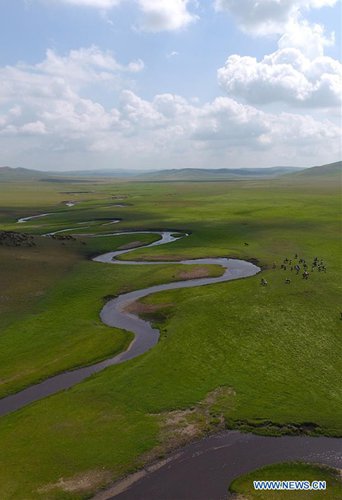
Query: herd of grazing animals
297,265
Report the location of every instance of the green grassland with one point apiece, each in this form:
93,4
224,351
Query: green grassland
276,349
243,486
65,329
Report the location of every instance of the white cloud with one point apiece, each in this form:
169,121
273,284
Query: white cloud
174,53
49,113
52,109
34,128
157,15
59,76
264,17
309,38
165,15
298,73
51,97
286,75
137,112
136,66
171,131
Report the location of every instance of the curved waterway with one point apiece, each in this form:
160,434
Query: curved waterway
26,219
114,314
204,470
31,217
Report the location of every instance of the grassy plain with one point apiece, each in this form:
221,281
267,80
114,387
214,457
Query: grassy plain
243,486
65,330
276,349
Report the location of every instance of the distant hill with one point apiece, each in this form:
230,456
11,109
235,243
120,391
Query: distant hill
208,174
119,173
184,174
333,170
330,170
20,174
25,174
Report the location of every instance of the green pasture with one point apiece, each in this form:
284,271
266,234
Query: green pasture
243,486
277,348
64,329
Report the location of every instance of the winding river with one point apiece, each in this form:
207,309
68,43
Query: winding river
202,470
113,314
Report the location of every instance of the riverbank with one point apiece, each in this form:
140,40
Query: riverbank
206,468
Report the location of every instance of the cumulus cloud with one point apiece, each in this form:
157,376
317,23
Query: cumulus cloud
47,107
51,97
60,75
85,65
286,75
298,73
136,112
264,17
157,15
311,39
169,15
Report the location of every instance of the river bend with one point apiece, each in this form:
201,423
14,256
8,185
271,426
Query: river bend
113,314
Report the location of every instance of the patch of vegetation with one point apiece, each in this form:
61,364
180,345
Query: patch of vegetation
179,427
13,239
266,427
178,235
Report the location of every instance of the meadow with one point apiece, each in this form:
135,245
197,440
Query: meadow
231,355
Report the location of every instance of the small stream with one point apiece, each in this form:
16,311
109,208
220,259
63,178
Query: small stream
26,219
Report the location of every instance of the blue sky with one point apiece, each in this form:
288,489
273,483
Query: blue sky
169,83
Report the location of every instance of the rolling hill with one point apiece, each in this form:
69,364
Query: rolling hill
20,174
329,170
207,174
332,170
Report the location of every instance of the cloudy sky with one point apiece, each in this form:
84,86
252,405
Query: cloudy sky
150,84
